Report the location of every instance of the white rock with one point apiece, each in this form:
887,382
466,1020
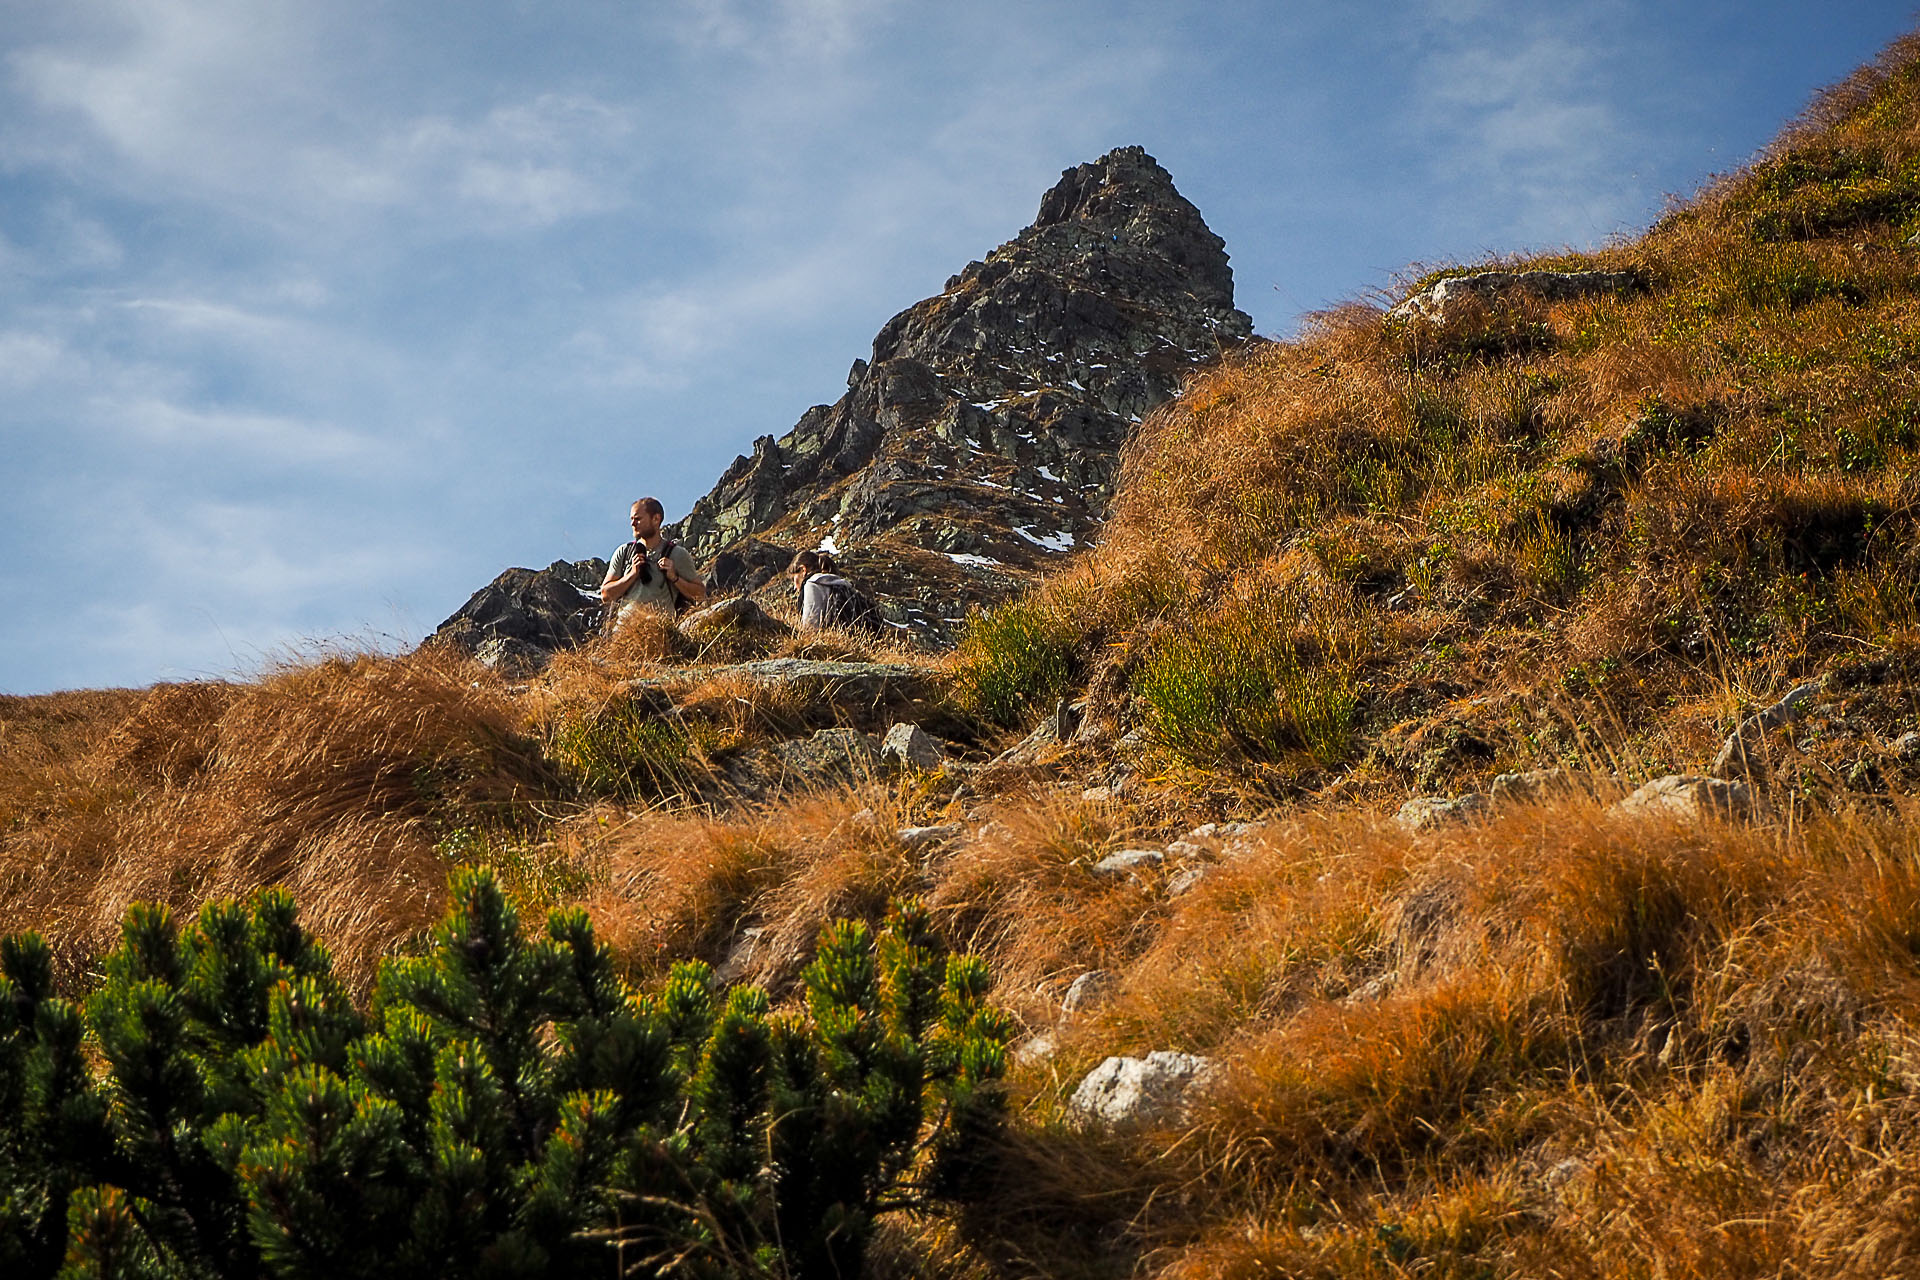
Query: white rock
1426,813
739,958
1528,787
1187,877
1149,1090
1438,300
1034,1048
1125,861
918,838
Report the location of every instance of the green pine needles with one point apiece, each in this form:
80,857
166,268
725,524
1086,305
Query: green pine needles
506,1107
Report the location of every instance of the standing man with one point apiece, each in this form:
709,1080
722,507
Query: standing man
651,572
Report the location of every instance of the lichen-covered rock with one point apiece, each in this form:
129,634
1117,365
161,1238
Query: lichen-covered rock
511,657
1187,878
1088,990
735,613
1530,787
917,839
1127,861
871,683
830,758
1152,1090
1428,813
821,685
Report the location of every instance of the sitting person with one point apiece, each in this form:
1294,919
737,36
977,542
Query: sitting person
650,572
829,600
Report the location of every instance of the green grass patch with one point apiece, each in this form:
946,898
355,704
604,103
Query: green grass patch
626,751
1016,659
1236,688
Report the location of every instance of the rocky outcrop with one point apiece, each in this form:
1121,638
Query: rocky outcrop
981,438
1441,300
830,758
826,683
540,610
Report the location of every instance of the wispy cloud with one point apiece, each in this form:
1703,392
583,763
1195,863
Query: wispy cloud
29,358
235,102
523,165
279,439
1520,121
769,30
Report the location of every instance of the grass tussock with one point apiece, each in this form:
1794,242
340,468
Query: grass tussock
334,778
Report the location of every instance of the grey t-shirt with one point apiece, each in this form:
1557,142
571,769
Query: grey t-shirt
816,598
656,592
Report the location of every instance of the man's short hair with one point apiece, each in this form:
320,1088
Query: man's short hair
652,507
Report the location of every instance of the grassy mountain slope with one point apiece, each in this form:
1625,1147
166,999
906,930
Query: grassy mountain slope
1387,558
1420,553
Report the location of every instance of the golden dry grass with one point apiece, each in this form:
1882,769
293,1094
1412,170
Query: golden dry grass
1560,1042
334,778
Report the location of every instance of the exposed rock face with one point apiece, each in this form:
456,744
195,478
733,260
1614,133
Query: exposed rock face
908,746
1438,301
982,438
548,609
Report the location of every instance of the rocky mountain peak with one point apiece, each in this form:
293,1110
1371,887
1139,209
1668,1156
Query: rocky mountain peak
981,438
1126,196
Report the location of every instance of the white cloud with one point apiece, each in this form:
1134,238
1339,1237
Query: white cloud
782,30
277,439
527,164
657,337
28,358
1518,117
171,85
246,105
207,316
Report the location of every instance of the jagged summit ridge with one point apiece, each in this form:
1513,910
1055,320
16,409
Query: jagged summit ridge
981,437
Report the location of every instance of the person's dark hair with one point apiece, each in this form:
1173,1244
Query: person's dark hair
652,507
812,562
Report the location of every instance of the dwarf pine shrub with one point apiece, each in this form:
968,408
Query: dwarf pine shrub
507,1106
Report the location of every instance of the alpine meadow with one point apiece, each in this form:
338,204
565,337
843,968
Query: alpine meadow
1474,835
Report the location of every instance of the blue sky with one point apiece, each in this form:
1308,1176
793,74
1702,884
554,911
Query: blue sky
316,314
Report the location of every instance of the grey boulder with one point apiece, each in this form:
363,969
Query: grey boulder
1152,1090
1442,299
909,747
1688,798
